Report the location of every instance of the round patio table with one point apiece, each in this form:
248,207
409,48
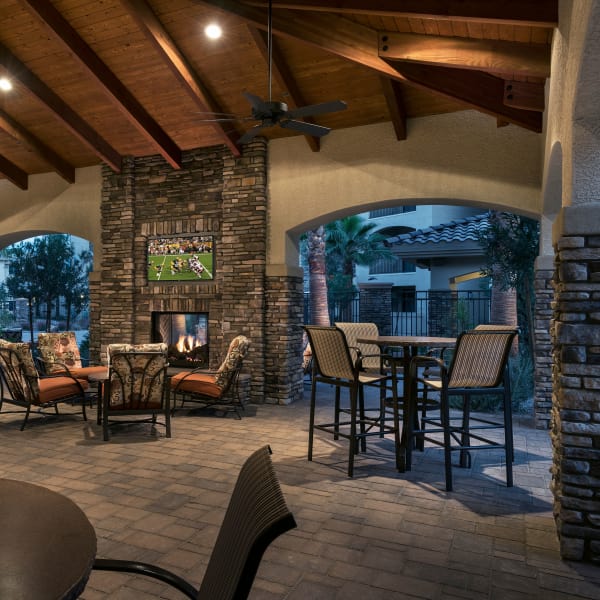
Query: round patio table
47,544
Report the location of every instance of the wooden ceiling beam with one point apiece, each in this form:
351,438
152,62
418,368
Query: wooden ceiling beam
27,139
392,91
13,173
284,78
492,56
537,13
329,33
479,90
91,63
61,110
168,50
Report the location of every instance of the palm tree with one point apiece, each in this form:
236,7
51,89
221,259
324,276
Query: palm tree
351,241
319,307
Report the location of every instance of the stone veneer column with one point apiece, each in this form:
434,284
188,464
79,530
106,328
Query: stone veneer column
283,339
576,402
243,253
376,305
544,295
117,291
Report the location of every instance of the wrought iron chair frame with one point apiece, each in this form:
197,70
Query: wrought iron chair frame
21,387
127,387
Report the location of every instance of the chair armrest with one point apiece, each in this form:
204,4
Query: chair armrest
43,366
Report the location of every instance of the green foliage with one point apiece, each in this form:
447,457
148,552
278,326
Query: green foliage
47,268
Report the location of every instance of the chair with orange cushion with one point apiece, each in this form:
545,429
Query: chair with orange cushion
21,384
136,386
214,388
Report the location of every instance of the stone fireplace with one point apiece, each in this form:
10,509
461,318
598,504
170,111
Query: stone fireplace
186,336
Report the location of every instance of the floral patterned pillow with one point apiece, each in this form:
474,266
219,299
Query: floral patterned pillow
23,365
235,355
59,348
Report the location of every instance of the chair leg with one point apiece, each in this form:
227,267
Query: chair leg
311,422
509,450
465,439
336,413
352,446
105,431
168,420
361,416
26,417
445,411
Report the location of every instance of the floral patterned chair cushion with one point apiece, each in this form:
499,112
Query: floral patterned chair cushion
235,355
27,371
58,349
136,375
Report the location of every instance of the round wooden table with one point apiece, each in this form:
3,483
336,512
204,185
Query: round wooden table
47,544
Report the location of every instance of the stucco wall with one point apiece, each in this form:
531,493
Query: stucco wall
461,157
51,205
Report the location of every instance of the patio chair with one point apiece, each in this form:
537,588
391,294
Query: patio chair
214,389
257,514
22,386
334,365
136,386
479,366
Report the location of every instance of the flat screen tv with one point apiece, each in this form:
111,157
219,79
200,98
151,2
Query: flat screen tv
181,258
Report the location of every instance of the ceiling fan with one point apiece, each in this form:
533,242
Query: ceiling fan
271,112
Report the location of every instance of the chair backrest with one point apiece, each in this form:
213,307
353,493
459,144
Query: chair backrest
480,358
330,351
353,331
256,515
232,365
137,379
19,372
59,347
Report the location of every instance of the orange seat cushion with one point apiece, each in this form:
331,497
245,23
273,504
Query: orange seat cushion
55,388
85,372
195,383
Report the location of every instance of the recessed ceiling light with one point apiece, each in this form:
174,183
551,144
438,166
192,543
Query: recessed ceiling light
213,31
5,84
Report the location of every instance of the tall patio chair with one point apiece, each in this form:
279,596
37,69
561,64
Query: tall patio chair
136,386
215,389
22,386
257,514
334,365
479,366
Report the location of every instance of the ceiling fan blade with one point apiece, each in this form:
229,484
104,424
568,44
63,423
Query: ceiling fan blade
317,109
250,134
256,102
306,128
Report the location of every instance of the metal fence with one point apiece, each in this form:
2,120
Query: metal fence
421,312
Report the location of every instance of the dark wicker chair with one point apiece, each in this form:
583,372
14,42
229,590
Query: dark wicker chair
333,364
479,366
22,386
256,515
136,386
216,389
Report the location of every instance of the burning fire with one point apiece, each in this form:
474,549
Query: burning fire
185,343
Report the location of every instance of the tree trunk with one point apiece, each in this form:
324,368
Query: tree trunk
503,309
317,277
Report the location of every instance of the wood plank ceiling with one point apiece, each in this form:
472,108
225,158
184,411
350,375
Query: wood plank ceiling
96,80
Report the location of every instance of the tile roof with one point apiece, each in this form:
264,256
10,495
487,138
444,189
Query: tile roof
459,230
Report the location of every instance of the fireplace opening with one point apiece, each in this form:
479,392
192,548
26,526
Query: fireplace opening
186,336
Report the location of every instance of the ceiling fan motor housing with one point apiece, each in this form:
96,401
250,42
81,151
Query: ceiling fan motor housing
271,111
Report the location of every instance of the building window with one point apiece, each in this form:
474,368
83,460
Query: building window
392,264
386,212
404,299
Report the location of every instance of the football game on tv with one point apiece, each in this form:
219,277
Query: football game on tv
181,258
